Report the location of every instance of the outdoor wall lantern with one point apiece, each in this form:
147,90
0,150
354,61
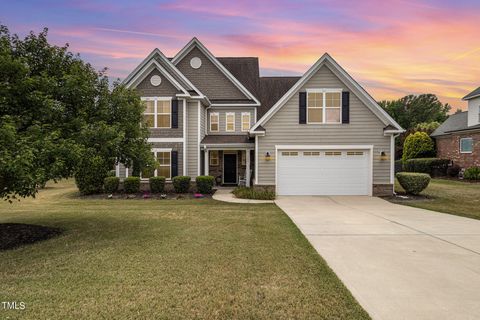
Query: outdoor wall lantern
383,156
268,157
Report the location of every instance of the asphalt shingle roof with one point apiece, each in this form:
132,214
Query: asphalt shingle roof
455,122
472,94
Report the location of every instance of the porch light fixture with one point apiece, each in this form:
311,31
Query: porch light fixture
383,156
268,157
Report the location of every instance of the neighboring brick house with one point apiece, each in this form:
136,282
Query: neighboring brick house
458,138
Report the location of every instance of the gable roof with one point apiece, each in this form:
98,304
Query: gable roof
196,43
173,74
455,122
271,89
475,93
326,59
245,69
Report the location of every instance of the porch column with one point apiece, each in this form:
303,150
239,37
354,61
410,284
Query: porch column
206,161
247,174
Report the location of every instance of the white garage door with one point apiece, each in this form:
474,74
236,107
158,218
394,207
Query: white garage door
323,172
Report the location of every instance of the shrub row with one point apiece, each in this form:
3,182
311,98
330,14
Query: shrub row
432,166
181,184
412,182
472,173
252,193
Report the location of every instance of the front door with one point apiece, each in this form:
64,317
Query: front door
229,168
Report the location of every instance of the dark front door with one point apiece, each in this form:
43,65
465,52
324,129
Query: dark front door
229,168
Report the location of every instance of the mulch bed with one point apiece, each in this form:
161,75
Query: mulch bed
14,235
147,196
403,197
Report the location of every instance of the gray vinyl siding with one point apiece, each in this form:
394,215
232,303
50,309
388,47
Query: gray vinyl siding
192,138
208,78
222,112
165,89
364,129
175,146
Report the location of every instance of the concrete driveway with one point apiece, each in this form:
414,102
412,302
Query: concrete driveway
399,262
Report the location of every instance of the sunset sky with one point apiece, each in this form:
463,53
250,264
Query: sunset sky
392,48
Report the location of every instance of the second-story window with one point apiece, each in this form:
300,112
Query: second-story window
245,121
214,119
158,112
323,106
230,122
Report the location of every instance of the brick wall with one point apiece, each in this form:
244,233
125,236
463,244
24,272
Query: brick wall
448,147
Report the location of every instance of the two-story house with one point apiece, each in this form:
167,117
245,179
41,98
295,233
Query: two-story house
458,138
316,134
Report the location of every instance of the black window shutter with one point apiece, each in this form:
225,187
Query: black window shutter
302,119
345,107
175,113
174,163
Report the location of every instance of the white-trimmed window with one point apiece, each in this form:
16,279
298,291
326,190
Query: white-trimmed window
230,121
214,120
164,161
324,106
214,158
158,112
245,121
466,145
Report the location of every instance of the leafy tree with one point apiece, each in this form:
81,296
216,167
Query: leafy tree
411,110
417,145
56,111
427,127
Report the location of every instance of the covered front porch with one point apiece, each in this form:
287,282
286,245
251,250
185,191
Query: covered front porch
230,164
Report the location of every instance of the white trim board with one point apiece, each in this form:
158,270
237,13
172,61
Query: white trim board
147,61
327,60
166,140
196,43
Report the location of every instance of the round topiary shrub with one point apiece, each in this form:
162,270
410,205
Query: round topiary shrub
131,185
413,182
157,184
417,145
205,184
453,171
472,173
181,184
110,184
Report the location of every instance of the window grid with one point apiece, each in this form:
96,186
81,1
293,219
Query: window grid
324,106
214,158
214,121
230,122
158,113
245,121
289,153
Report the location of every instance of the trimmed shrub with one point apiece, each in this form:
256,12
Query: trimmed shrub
131,185
90,173
110,184
157,184
112,173
453,170
417,145
413,182
398,165
432,166
472,173
181,184
205,184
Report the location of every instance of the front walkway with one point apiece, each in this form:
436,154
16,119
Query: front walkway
225,194
399,262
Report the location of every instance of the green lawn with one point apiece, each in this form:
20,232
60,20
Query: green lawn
449,196
157,259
